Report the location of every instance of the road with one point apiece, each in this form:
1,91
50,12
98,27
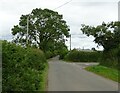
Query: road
65,76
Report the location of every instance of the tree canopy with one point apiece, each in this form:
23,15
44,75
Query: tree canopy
106,35
46,29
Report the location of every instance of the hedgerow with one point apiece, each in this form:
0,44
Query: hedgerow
83,56
111,58
21,68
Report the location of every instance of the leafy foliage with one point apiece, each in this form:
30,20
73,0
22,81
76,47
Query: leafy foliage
46,29
83,56
63,52
111,58
107,35
22,68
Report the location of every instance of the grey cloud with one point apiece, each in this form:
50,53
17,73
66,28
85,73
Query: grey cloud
95,4
77,12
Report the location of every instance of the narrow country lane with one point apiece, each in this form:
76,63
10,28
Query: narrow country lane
70,77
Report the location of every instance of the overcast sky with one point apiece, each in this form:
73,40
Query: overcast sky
76,12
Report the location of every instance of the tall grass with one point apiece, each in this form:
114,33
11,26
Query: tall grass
106,72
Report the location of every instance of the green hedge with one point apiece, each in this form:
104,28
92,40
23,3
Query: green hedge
63,52
111,58
83,56
50,54
21,68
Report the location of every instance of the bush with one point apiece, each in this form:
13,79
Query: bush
83,56
111,58
63,52
49,54
22,68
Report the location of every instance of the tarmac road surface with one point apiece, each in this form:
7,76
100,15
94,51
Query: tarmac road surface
65,76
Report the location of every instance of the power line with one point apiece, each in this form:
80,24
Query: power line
62,5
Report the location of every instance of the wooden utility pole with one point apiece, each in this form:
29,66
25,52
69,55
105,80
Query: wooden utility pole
70,42
119,11
27,29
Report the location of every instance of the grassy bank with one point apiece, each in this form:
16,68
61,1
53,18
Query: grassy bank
44,81
105,72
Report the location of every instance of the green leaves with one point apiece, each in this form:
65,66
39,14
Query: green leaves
107,35
21,68
83,56
44,26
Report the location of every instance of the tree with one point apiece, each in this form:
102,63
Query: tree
107,35
46,28
93,49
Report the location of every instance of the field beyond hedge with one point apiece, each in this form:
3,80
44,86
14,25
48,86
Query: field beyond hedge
22,68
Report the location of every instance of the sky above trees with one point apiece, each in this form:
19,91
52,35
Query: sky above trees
76,12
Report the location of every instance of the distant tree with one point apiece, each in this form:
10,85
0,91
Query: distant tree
106,35
93,49
46,29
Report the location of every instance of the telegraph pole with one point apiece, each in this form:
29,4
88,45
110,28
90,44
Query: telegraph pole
27,29
70,42
119,11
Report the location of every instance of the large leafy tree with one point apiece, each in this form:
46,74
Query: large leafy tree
106,35
46,29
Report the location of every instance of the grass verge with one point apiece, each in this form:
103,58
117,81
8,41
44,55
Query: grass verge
106,72
44,79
